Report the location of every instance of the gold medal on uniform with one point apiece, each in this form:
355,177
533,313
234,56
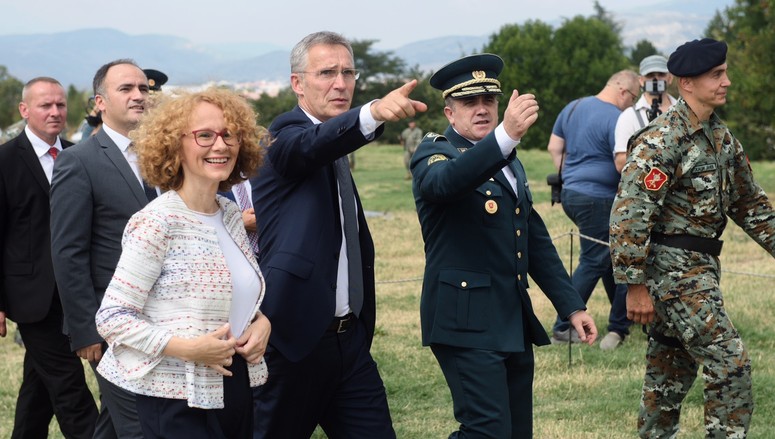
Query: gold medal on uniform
491,206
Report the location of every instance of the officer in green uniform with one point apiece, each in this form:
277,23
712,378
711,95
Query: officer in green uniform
685,174
482,240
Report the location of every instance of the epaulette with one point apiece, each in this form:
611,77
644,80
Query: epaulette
433,137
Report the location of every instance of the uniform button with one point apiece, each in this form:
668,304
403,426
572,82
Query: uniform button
488,192
519,255
464,284
517,211
519,232
519,277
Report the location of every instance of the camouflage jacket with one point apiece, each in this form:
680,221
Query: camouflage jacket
681,178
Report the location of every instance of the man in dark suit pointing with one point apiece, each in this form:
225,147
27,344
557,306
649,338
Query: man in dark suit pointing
482,239
317,255
53,383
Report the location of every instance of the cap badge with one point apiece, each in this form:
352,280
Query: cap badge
479,74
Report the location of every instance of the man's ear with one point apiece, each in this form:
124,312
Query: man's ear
297,84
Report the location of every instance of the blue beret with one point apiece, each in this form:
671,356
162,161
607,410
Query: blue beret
469,76
696,57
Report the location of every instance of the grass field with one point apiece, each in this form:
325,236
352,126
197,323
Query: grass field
596,396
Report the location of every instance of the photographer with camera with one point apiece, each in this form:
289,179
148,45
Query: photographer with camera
582,148
654,81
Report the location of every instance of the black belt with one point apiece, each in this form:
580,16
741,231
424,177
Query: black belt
342,324
688,242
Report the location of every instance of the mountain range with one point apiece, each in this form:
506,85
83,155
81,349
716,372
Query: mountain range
73,56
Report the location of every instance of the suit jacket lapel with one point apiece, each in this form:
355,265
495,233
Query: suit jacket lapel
32,161
122,165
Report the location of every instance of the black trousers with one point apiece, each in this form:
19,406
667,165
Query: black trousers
337,387
173,418
53,383
492,392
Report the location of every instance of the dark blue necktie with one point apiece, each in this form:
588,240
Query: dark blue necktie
354,268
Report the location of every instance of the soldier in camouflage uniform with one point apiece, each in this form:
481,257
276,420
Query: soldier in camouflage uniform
685,174
410,139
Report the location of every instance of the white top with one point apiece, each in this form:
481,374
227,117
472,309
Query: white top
246,284
628,123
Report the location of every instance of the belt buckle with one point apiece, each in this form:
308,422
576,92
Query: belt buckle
340,328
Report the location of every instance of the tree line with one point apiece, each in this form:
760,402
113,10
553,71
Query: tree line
557,65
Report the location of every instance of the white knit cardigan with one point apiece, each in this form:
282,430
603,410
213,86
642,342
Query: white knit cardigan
172,279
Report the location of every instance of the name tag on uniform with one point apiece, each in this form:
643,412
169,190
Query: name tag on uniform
704,168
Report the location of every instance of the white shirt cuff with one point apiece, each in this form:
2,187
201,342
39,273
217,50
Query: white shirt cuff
367,123
506,143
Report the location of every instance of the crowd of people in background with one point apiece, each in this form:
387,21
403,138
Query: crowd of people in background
218,276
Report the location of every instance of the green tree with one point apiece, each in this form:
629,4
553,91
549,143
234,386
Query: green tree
607,18
748,27
269,107
76,106
10,96
642,49
555,66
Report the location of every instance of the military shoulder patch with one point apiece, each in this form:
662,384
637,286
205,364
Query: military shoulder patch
433,137
436,158
655,179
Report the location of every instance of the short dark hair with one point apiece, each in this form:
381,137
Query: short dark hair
98,83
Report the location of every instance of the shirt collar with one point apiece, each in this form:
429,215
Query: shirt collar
119,139
311,117
39,145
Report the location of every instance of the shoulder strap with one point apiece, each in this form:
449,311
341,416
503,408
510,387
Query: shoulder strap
640,118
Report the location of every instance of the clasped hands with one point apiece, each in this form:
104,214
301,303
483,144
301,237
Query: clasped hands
217,348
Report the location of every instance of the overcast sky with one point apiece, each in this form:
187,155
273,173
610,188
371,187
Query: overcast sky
283,22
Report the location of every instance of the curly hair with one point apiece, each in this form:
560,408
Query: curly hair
158,139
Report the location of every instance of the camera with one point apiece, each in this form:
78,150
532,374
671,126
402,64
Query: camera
656,86
555,182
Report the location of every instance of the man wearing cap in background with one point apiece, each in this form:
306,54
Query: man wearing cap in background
482,240
685,173
155,79
654,80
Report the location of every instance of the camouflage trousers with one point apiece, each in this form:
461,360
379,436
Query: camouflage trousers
708,339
